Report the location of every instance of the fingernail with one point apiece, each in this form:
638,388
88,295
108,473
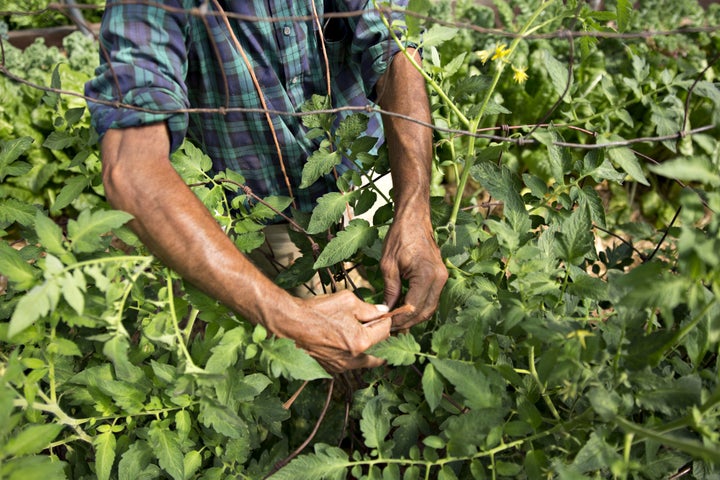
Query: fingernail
382,308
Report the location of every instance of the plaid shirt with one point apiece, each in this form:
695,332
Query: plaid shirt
166,56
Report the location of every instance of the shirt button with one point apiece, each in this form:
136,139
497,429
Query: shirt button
287,31
295,80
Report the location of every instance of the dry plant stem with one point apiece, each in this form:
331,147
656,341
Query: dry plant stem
298,450
295,395
407,308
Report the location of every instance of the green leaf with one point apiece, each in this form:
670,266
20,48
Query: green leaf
223,420
398,350
481,388
32,439
85,232
574,239
558,72
285,359
270,205
588,198
165,446
329,210
689,169
624,10
58,140
72,189
328,463
15,268
33,467
624,158
104,445
437,35
73,287
38,302
135,463
500,183
225,354
357,234
10,151
317,120
352,127
375,423
604,403
432,387
13,210
320,163
49,234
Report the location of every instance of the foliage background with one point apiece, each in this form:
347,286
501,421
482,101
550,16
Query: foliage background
577,336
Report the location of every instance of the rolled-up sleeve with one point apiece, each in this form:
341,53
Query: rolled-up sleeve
373,46
143,64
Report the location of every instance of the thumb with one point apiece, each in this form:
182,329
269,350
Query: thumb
393,286
378,330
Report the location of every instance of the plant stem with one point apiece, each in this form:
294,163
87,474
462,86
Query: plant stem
190,367
536,378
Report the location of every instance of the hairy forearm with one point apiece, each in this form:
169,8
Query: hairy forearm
177,227
402,91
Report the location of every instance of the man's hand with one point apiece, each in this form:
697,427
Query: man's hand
410,253
335,329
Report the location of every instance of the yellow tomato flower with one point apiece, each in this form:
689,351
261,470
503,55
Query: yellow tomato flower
519,74
501,51
484,55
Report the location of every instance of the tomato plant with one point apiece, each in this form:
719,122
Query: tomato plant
574,201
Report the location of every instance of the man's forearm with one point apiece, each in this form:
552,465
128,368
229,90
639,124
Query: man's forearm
177,227
402,91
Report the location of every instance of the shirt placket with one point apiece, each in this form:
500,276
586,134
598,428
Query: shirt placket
292,51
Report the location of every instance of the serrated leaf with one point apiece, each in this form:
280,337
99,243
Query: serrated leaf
270,205
38,302
49,234
558,73
398,350
165,446
375,423
285,359
437,34
85,232
432,387
32,467
15,268
320,163
624,10
688,169
500,183
225,354
625,159
480,388
350,128
72,189
329,210
590,199
135,463
58,140
73,291
13,210
574,240
223,420
32,439
104,445
357,234
10,151
317,120
328,463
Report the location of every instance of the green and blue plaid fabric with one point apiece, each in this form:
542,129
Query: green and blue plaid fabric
179,55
